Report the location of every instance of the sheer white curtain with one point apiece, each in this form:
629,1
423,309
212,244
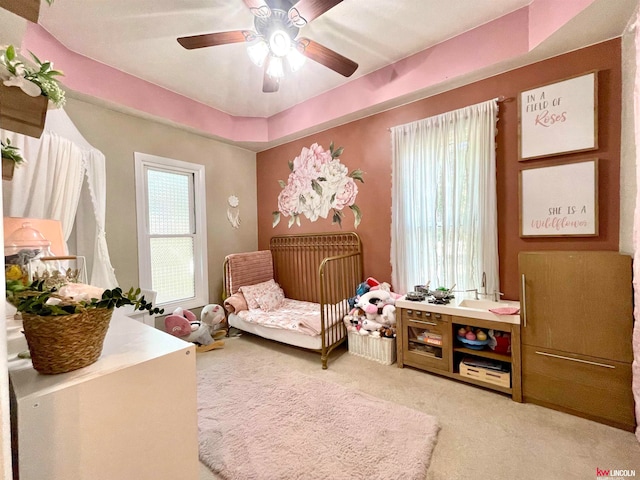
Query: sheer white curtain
444,208
48,185
102,272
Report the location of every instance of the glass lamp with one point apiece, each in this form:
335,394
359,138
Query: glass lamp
258,52
295,59
275,69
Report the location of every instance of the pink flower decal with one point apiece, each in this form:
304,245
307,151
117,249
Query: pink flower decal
317,184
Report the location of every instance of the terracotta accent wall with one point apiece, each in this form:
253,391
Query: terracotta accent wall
367,146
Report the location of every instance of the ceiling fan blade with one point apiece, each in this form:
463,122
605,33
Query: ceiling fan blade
213,39
327,57
269,84
306,10
259,8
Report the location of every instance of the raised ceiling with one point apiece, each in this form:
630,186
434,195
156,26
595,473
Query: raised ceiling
124,54
139,38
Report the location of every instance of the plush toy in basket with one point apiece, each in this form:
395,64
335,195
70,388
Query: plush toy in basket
373,311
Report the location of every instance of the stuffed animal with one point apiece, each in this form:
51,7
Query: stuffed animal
184,325
389,315
373,303
387,332
387,288
371,325
213,316
353,320
373,309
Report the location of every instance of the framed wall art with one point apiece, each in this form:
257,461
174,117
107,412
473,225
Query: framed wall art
559,200
559,118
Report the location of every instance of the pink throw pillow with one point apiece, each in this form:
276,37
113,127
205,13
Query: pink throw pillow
271,299
253,292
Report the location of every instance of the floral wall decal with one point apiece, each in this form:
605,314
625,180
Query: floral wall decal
318,183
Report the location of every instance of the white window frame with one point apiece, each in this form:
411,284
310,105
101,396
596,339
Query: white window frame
143,162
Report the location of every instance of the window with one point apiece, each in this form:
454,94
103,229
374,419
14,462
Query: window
172,243
444,220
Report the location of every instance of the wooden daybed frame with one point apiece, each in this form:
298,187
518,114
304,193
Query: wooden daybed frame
323,268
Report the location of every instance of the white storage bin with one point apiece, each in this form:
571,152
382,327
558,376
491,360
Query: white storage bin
378,349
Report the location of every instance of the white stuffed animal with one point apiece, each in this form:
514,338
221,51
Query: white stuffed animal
371,325
371,301
213,315
379,307
389,315
184,325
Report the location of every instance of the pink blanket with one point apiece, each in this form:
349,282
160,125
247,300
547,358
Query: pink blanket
303,317
235,303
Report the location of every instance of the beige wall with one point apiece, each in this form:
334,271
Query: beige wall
230,170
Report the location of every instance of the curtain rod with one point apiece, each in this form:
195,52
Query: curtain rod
499,99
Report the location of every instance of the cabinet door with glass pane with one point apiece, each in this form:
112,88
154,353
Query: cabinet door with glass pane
425,339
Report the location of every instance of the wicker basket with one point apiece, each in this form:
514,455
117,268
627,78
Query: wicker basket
378,349
63,343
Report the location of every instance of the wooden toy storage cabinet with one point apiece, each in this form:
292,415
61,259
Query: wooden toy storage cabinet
427,340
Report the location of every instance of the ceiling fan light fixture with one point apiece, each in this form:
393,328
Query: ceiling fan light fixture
295,59
280,43
275,70
258,52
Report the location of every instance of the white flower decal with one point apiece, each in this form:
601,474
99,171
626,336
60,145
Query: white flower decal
317,184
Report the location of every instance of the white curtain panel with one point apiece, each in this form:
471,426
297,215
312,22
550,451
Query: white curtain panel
444,208
635,366
102,273
48,185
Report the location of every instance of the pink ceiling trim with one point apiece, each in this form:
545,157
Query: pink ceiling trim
547,16
466,53
475,49
96,79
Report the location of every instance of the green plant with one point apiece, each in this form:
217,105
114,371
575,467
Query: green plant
37,300
43,75
10,152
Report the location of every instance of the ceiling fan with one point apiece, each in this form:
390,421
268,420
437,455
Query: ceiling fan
277,24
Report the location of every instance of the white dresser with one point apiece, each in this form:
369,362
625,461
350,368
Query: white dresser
129,416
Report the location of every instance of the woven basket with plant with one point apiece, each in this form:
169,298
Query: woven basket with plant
65,333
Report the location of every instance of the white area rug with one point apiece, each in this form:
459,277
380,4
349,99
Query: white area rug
255,425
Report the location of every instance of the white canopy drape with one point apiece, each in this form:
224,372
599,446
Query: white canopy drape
49,184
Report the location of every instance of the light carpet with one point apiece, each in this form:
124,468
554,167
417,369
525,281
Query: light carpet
254,424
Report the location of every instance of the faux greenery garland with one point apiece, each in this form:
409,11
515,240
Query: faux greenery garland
36,300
